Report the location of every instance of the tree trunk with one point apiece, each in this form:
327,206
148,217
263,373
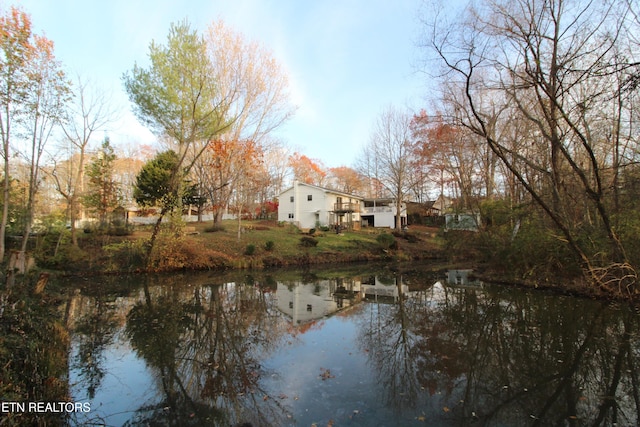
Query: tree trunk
154,235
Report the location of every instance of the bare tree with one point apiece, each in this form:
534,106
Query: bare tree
393,148
548,65
90,113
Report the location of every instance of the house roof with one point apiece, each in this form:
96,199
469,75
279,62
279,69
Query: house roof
326,190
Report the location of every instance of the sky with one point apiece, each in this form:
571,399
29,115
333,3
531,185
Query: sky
346,60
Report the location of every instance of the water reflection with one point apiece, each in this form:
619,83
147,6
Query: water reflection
391,348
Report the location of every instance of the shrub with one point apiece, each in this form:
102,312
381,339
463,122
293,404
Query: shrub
250,249
308,242
120,230
175,253
409,237
386,240
213,228
55,250
126,256
269,245
272,261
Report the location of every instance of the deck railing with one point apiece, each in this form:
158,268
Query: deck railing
346,207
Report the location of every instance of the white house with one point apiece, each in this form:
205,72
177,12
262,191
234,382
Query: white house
382,213
306,302
309,206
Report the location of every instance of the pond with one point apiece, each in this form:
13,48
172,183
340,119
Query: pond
357,347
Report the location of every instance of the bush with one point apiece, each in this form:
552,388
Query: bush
308,242
126,256
271,261
55,250
120,230
213,228
250,249
176,253
386,241
269,245
409,237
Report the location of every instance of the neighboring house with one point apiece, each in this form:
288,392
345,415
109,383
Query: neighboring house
309,206
443,204
382,213
422,210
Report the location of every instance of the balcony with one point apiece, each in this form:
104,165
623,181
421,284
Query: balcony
346,207
378,209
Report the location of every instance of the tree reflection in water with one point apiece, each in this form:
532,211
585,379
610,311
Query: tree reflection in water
434,354
94,333
499,357
206,349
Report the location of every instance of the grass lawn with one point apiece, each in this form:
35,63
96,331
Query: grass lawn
259,244
286,239
356,245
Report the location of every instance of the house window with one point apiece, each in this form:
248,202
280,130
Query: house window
309,197
291,199
290,216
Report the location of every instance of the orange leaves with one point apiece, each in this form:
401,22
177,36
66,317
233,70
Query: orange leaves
244,154
15,26
307,170
347,180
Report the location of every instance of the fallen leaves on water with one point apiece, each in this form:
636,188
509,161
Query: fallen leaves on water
325,374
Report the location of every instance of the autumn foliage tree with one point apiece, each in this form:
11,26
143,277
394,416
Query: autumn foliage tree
33,92
309,171
231,164
253,89
346,180
451,157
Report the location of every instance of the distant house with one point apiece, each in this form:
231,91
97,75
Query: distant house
443,204
382,213
309,206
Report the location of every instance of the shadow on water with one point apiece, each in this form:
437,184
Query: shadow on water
364,348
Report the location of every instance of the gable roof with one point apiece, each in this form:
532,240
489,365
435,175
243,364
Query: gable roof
326,190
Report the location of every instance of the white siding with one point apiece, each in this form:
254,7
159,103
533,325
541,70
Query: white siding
307,213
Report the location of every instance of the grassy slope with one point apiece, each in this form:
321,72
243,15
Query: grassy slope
287,250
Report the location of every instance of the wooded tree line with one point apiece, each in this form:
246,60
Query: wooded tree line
538,108
213,100
534,126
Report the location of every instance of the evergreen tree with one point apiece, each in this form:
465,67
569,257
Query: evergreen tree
103,195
